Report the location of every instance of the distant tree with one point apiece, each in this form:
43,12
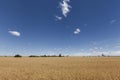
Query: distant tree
33,56
60,55
43,56
103,55
17,55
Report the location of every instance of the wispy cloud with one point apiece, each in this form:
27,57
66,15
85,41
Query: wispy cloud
58,17
85,25
118,46
113,21
14,33
110,53
117,52
77,31
65,7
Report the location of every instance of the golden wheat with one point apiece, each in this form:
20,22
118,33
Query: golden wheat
55,68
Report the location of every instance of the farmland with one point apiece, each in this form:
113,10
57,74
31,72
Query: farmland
60,68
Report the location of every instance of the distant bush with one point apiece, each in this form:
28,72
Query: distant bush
17,55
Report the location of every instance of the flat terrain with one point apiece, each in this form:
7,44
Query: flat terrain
64,68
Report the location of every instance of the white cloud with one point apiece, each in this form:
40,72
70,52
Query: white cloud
77,31
58,17
65,7
14,33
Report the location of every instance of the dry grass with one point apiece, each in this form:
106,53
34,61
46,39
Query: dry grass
65,68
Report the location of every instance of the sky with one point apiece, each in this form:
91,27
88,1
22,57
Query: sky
67,27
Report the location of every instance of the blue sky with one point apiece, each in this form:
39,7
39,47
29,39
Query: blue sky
69,27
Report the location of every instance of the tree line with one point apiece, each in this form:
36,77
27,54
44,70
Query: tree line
60,55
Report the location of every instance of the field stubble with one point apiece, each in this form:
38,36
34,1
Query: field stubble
56,68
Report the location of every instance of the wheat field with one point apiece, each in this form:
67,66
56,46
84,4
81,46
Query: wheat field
56,68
